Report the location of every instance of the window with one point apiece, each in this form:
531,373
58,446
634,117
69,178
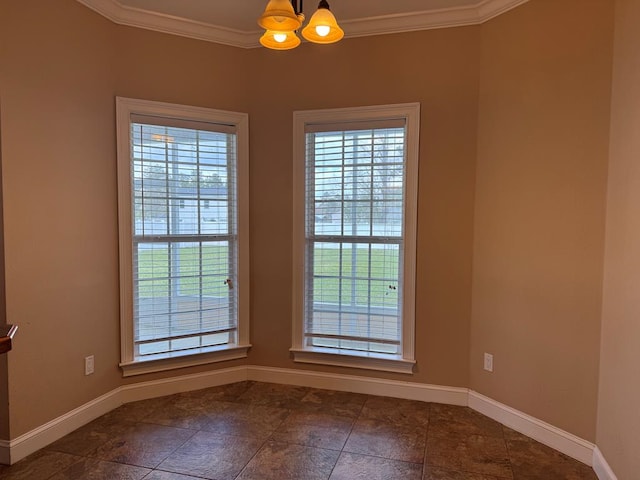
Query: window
184,279
355,174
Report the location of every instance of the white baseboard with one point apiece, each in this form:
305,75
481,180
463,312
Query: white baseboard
571,445
43,435
40,437
601,467
183,383
358,384
543,432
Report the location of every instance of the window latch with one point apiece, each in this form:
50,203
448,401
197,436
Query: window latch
229,283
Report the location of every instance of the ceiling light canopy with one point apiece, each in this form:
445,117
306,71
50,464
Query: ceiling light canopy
282,18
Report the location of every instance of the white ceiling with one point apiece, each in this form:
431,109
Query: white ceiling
242,14
233,22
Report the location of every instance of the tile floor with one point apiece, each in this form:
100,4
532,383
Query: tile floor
262,431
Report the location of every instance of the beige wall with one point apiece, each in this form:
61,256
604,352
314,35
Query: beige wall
270,86
618,433
4,372
61,67
173,69
59,206
167,68
4,398
539,209
443,78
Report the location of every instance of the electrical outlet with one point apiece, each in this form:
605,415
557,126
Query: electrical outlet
488,362
88,365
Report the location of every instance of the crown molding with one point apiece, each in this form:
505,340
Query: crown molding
427,20
160,22
488,9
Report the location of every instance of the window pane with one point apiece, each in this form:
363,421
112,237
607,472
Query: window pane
181,290
184,238
355,189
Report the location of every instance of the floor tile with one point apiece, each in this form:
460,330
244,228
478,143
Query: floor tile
188,412
381,439
212,456
251,430
39,466
135,411
532,460
222,393
396,411
352,466
273,395
469,453
280,461
159,475
143,444
434,473
444,419
88,438
226,418
91,469
344,404
314,430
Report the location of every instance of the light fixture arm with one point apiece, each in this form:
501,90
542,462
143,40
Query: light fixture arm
297,6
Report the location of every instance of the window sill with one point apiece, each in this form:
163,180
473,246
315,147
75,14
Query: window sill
349,358
184,359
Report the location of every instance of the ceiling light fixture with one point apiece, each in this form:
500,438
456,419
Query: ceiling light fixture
282,18
279,40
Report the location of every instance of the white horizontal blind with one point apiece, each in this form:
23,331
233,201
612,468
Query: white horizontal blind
184,215
354,248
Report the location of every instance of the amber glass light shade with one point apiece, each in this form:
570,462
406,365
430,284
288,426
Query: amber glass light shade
279,40
279,16
323,27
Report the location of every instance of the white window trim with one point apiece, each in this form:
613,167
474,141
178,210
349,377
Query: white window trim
125,107
345,358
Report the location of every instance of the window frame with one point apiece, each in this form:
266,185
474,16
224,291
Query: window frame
404,362
125,108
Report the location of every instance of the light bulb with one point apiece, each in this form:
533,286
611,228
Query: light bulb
279,37
323,30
